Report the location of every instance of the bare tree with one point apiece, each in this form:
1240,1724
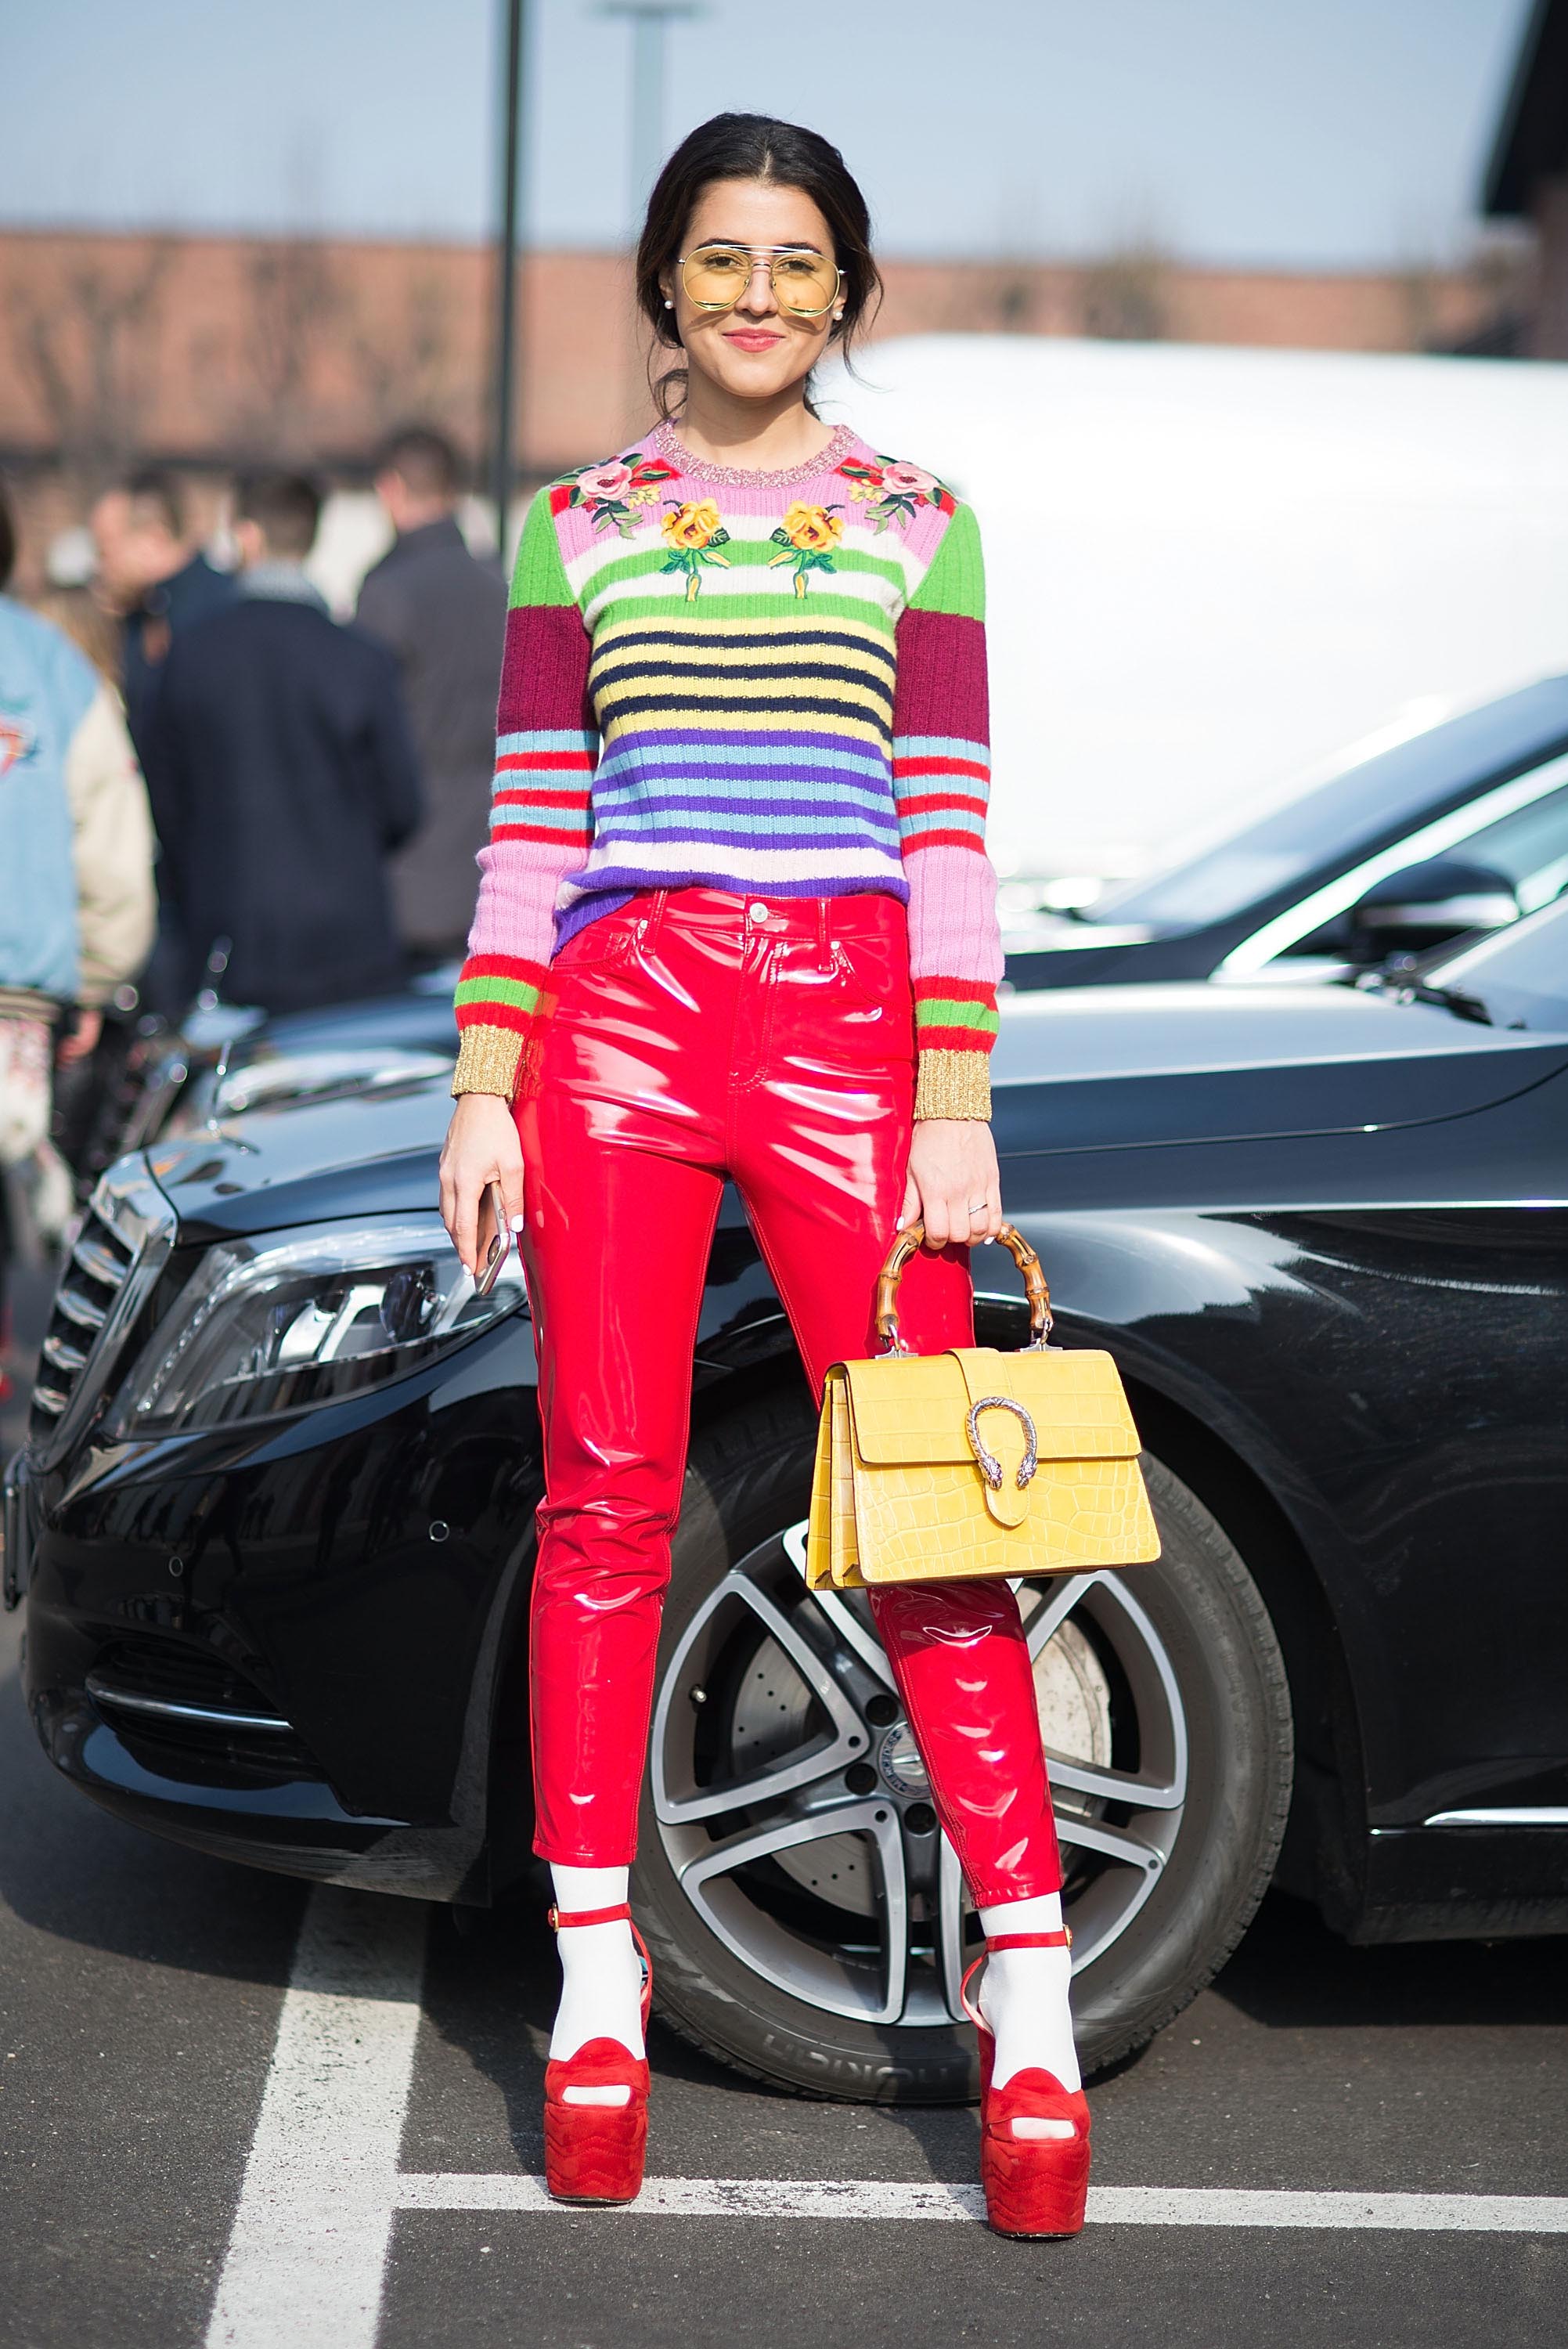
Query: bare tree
90,343
410,365
296,307
1124,295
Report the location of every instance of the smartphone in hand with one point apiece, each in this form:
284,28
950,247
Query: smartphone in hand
499,1242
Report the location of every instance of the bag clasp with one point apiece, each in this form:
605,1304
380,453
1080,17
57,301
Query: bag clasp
990,1467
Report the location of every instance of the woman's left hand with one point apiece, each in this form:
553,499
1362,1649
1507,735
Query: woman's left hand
954,1183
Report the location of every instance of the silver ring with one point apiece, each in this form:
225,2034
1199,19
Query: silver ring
977,1206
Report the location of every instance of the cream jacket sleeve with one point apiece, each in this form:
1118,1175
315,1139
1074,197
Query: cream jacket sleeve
117,910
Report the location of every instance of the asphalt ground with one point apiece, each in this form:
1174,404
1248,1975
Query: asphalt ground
142,1989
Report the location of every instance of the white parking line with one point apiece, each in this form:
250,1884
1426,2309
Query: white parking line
1124,2206
322,2186
310,2235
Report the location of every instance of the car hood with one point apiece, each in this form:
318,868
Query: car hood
1090,1068
1098,1068
363,1153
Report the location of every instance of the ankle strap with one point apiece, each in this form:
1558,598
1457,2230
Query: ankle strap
559,1917
1059,1941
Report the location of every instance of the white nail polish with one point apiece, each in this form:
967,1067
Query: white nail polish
518,1223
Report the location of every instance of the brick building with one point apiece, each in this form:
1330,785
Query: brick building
209,351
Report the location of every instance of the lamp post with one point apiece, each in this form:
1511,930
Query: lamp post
650,20
506,355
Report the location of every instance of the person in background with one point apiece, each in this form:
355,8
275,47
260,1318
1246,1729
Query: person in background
282,776
76,908
151,575
90,1066
443,614
77,613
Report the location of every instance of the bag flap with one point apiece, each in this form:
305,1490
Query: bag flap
909,1408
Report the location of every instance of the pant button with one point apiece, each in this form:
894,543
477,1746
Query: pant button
759,913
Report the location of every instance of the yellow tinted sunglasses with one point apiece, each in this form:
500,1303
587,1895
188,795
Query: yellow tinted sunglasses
804,282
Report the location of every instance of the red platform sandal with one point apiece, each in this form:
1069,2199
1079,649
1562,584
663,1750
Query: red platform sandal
594,2153
1035,2184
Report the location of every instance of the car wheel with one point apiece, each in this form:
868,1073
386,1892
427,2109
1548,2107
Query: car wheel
806,1915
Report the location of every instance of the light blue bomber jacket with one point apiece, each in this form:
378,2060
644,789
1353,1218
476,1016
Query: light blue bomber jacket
76,904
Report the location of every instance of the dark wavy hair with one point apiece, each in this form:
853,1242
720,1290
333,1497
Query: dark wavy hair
752,147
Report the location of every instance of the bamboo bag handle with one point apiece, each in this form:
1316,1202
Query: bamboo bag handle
913,1237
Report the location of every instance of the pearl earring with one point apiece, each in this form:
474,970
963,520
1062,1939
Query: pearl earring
668,304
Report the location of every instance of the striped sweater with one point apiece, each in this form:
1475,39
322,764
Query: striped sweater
772,683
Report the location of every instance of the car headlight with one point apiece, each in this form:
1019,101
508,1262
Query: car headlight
295,1320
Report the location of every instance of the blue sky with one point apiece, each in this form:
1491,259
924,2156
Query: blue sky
1297,132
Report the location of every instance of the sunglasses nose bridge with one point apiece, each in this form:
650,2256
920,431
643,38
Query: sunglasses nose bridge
750,298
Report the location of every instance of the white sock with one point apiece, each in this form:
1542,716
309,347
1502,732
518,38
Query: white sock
1024,1994
601,1973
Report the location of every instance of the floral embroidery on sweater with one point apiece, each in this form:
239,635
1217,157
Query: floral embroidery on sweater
806,536
617,496
893,492
694,534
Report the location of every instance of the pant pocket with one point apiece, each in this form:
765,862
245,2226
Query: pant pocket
871,995
604,945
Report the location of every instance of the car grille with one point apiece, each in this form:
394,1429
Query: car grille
95,1271
189,1713
108,1275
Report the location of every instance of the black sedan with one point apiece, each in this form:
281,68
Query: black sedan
274,1523
1460,828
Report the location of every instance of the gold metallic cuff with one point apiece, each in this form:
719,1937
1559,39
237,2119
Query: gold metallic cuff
487,1061
954,1084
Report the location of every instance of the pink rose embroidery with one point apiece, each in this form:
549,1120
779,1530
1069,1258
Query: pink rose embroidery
605,482
617,496
907,481
891,492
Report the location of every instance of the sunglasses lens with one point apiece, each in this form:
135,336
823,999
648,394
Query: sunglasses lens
804,282
716,276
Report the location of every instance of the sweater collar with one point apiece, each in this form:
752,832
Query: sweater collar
666,442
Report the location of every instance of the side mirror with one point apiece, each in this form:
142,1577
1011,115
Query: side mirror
1427,904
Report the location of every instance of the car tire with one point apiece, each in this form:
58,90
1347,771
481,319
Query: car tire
1196,1613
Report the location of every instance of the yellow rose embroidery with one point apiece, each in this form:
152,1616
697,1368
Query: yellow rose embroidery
812,529
806,539
695,525
694,534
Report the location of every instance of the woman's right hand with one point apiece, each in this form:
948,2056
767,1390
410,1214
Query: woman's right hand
481,1147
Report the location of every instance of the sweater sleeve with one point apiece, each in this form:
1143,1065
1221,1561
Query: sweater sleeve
942,769
540,820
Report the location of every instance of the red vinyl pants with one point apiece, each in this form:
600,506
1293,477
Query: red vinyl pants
699,1035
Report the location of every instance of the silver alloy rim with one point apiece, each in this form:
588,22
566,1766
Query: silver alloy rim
794,1811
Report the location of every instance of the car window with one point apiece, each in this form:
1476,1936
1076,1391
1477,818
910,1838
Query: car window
1520,974
1307,926
1342,817
1529,848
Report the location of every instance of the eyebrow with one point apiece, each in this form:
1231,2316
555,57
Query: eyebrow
745,242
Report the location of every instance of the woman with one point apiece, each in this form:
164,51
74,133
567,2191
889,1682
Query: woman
736,917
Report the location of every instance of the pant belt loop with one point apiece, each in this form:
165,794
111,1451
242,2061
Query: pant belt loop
824,928
654,916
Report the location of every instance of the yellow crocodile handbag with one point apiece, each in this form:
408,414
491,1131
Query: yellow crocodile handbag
975,1462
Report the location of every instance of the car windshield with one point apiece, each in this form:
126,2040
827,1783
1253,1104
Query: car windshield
1520,974
1333,826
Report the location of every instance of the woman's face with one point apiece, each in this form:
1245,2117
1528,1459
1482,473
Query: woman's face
760,347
